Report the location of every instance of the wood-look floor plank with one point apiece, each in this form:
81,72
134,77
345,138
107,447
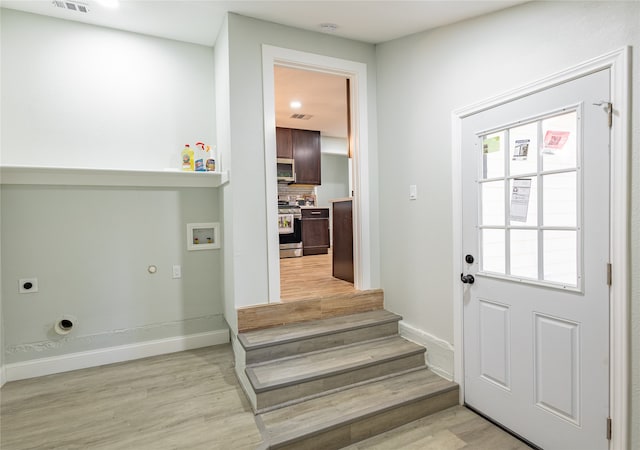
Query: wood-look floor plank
188,400
309,277
451,429
321,411
329,361
276,314
295,331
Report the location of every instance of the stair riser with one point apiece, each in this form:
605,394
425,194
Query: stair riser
298,391
320,343
366,427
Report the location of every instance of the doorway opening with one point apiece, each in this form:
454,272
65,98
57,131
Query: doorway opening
313,129
312,275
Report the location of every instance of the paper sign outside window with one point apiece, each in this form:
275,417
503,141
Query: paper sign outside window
520,193
491,145
554,140
521,150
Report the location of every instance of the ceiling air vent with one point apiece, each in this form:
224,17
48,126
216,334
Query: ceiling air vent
301,116
70,5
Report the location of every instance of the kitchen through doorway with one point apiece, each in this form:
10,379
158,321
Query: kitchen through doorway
313,135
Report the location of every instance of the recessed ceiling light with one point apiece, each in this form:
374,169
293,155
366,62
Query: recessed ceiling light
328,27
295,104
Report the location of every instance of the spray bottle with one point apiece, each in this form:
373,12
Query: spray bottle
187,158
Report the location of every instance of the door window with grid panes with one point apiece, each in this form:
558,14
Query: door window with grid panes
529,201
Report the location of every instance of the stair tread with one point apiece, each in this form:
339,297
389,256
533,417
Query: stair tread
304,330
309,366
325,412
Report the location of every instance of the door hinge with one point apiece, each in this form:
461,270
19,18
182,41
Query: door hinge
609,426
609,274
609,109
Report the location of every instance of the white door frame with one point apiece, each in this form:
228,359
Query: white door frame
357,73
618,62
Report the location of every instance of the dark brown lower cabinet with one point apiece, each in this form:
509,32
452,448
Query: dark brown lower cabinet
343,240
315,231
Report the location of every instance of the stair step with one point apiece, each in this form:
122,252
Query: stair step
297,338
281,381
341,418
317,308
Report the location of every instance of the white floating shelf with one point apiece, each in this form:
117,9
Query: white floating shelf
66,176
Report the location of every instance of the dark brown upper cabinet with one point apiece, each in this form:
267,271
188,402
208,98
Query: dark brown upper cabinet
284,146
304,147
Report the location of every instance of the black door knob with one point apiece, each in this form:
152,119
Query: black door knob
467,278
469,259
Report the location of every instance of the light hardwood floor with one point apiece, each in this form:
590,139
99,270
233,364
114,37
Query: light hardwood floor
187,400
308,277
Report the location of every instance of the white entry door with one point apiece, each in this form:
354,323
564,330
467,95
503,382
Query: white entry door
536,225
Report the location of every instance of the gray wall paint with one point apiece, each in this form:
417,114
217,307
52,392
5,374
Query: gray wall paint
246,140
335,179
223,132
90,249
72,96
77,95
430,74
1,311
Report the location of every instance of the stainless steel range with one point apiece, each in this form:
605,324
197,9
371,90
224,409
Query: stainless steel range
290,230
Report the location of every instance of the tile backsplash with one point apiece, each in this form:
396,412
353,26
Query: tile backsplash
297,193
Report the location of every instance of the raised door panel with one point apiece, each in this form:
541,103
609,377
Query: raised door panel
306,153
284,145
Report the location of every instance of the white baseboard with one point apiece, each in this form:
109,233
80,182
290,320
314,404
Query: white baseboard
110,355
440,353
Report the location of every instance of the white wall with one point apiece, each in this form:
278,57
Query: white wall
421,80
78,95
84,96
249,245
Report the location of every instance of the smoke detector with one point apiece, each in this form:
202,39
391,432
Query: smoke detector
71,5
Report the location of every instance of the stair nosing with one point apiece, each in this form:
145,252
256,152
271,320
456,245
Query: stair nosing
320,375
248,347
262,387
324,350
338,389
300,433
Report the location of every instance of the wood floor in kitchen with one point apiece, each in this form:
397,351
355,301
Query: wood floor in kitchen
309,277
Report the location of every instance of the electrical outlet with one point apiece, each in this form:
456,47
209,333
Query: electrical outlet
177,272
27,285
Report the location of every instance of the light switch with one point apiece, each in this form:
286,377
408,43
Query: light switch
177,272
413,192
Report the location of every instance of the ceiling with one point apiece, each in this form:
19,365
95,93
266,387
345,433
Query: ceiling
322,96
323,99
198,21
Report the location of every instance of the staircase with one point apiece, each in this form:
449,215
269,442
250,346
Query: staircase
327,383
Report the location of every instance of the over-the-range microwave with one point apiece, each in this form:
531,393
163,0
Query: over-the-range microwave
286,170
